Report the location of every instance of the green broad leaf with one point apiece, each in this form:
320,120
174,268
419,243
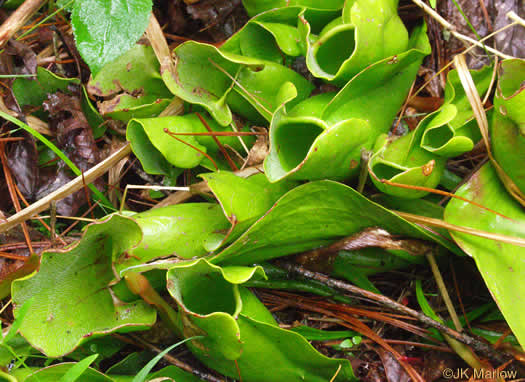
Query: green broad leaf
34,92
500,264
507,129
106,29
254,7
312,215
124,107
223,82
335,129
159,152
131,86
244,200
367,32
55,373
240,334
135,72
72,298
420,207
182,230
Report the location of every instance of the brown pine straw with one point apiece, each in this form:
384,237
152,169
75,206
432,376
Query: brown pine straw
18,18
67,189
231,163
440,192
480,347
314,305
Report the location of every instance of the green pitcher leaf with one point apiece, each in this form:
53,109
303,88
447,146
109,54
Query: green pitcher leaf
278,32
241,335
159,152
500,264
72,298
131,85
254,7
34,92
368,31
207,76
403,160
507,129
244,200
315,214
334,129
181,230
457,131
105,29
418,158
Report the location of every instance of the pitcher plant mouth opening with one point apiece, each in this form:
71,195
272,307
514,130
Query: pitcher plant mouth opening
333,50
437,137
221,295
386,171
293,141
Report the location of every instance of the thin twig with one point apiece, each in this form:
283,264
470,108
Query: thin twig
454,31
477,345
67,189
18,18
